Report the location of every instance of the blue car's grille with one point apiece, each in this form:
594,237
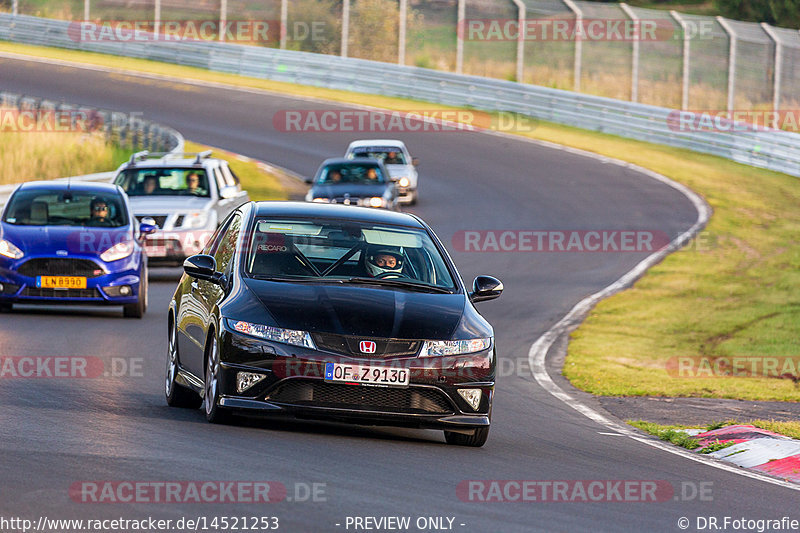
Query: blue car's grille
33,292
60,267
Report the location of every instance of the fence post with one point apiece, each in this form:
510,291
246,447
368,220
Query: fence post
686,59
401,37
223,18
578,43
637,35
776,82
345,26
86,9
521,16
157,19
731,63
284,22
462,15
15,8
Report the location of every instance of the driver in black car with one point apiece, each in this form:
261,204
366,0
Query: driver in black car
99,213
385,263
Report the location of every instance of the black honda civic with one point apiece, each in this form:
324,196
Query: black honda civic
330,312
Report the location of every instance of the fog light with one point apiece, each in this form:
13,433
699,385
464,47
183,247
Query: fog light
245,380
472,396
1,287
125,290
118,290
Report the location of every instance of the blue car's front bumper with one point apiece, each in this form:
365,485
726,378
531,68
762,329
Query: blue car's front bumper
100,284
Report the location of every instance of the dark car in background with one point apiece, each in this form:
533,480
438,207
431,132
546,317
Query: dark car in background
331,312
72,243
362,182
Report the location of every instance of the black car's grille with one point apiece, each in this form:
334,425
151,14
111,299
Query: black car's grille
60,267
384,348
33,292
412,400
160,219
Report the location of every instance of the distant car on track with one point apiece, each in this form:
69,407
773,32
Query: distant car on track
72,243
363,183
331,312
185,195
396,158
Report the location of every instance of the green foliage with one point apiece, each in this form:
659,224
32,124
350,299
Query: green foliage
780,12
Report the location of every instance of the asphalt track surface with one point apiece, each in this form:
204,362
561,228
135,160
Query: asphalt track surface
56,432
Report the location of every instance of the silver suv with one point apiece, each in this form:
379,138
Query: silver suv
186,195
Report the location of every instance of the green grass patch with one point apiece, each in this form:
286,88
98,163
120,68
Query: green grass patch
733,293
715,447
260,184
668,433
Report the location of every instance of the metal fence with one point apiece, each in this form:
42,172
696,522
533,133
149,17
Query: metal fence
689,62
772,149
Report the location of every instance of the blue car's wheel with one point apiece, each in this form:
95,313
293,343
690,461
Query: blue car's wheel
138,309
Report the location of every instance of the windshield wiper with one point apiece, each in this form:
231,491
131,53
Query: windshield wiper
298,279
399,284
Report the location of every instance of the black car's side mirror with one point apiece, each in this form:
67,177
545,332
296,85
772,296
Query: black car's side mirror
415,161
203,267
486,288
309,181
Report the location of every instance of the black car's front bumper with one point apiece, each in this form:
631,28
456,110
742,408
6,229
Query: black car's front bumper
294,386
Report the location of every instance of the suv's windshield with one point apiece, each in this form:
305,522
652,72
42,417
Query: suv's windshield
359,173
388,154
164,182
62,207
319,250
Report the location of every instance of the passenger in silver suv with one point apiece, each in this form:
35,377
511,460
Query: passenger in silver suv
186,195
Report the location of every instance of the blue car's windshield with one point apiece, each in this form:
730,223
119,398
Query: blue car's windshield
62,207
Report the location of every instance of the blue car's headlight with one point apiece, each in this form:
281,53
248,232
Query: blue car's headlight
8,249
287,336
118,251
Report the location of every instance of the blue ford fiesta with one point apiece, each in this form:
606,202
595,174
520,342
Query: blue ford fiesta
72,243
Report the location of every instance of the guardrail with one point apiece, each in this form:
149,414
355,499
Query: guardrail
770,149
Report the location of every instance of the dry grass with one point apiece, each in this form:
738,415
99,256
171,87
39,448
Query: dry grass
27,156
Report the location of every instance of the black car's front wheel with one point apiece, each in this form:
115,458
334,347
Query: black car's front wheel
477,439
214,413
177,395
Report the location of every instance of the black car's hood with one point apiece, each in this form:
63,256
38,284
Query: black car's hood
353,189
357,310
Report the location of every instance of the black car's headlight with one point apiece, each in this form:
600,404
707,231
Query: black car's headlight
270,333
447,348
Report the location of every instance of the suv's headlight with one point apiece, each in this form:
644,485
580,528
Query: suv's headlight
198,219
119,251
287,336
403,182
445,348
7,249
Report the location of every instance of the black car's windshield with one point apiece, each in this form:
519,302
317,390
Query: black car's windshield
347,252
388,154
63,207
358,173
164,182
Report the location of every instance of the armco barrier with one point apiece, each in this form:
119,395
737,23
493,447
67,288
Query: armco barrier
771,149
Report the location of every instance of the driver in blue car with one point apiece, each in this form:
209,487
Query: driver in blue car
383,262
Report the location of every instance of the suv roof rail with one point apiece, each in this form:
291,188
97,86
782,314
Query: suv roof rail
198,156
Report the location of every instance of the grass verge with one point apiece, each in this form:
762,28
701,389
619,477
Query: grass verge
732,293
260,184
789,429
28,156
